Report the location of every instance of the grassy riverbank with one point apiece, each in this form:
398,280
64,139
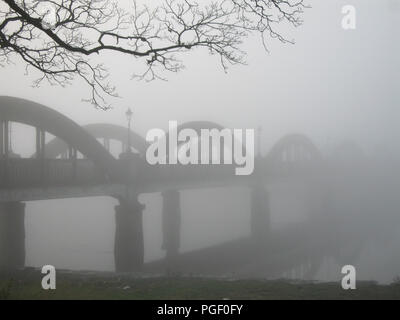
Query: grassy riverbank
76,285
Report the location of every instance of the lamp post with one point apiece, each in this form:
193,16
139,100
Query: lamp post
129,115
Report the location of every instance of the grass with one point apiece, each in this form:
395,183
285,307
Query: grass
26,284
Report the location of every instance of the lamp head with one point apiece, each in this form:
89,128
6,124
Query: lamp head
129,114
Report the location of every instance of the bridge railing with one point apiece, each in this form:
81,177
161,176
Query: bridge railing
54,172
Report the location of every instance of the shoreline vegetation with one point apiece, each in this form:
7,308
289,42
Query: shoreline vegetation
26,284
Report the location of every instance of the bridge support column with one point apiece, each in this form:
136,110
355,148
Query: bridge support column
129,242
260,212
171,224
12,235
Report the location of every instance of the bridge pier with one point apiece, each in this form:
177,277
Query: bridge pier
12,235
171,225
129,242
260,212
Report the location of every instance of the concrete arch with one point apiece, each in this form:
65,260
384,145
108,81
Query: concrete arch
100,130
39,116
293,142
197,126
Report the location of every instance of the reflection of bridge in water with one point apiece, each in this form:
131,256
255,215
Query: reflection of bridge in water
55,171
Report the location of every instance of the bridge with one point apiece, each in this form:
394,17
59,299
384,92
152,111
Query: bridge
55,171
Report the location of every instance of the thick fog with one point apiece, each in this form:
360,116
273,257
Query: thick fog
338,87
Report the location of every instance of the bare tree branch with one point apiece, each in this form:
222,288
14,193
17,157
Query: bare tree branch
59,37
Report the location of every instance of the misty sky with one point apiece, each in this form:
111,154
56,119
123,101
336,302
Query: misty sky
331,85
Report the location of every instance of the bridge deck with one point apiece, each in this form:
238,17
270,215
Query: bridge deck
35,179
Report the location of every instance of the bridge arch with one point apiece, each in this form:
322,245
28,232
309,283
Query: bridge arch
39,116
198,126
292,148
57,146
